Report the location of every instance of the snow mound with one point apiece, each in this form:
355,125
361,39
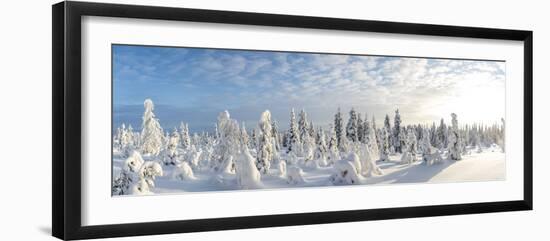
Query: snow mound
184,172
248,176
369,166
142,188
133,162
294,175
345,173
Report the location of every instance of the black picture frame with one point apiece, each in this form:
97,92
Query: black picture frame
66,127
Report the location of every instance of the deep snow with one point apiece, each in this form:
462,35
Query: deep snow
488,165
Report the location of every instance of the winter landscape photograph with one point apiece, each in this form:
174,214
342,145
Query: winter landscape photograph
190,120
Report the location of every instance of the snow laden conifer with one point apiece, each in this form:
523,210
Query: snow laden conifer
265,148
455,142
171,152
333,153
388,129
248,176
244,136
303,126
397,137
339,130
151,134
385,144
184,136
351,127
321,150
294,141
229,143
409,149
276,136
442,135
360,129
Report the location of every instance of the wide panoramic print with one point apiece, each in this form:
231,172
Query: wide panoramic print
199,119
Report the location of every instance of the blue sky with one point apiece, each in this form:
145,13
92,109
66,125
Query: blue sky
195,84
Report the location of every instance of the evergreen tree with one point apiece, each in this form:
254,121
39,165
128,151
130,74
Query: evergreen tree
245,139
151,132
333,146
360,129
351,127
388,129
303,124
339,129
265,148
397,137
455,143
294,141
171,152
442,135
184,136
276,136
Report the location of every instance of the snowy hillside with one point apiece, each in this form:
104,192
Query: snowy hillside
352,153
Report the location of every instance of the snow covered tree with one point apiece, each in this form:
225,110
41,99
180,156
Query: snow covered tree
276,136
388,129
410,147
360,129
244,136
397,137
321,151
339,129
184,135
171,152
294,141
229,143
248,176
375,130
253,140
265,148
455,143
351,127
311,130
303,125
151,133
334,154
442,135
385,144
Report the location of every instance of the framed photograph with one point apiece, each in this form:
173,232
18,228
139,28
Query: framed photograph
171,120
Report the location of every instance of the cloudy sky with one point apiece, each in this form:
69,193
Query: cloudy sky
194,85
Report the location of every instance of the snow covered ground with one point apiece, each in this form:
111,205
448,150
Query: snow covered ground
488,165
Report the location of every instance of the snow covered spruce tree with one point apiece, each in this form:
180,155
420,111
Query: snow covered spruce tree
184,136
276,136
442,135
265,148
352,127
171,152
410,147
455,142
244,136
321,150
360,129
229,144
339,130
387,127
151,132
294,141
397,136
333,153
303,126
385,144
